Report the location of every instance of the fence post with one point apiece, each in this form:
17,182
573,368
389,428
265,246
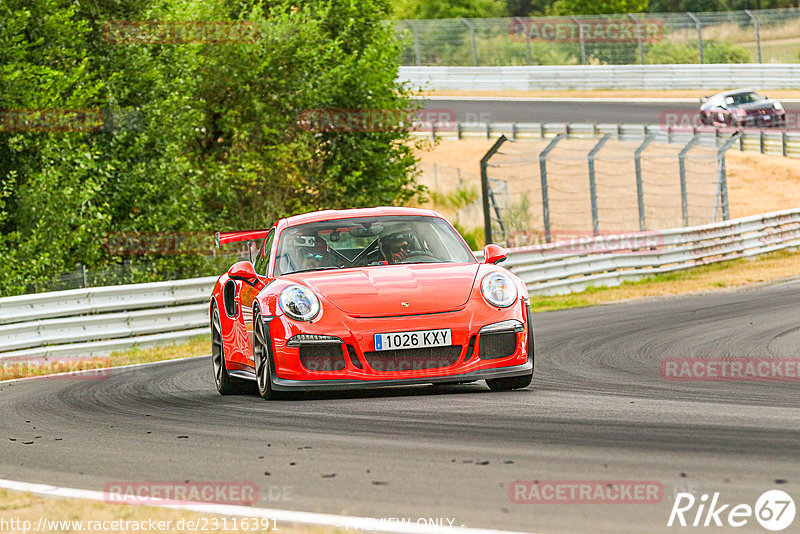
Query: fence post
637,156
722,179
471,29
593,183
543,173
487,216
758,32
417,54
699,27
682,165
638,37
580,36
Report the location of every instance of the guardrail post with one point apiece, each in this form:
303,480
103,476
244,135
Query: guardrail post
721,195
458,130
487,216
543,174
741,141
593,183
514,131
488,130
637,156
541,130
682,165
783,143
758,32
580,36
761,143
699,26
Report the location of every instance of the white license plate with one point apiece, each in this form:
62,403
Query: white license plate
418,339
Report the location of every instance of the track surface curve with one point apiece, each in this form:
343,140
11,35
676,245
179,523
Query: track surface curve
597,410
654,112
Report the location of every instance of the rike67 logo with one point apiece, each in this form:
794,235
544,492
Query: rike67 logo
774,510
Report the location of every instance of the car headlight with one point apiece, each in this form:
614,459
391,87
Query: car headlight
499,289
299,302
741,113
777,105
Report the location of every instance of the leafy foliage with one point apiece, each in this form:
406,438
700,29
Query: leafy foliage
196,137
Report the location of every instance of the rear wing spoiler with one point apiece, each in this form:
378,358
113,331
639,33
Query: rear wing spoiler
223,238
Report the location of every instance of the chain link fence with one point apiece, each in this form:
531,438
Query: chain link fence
758,36
546,190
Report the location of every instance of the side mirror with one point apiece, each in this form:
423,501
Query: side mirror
244,271
494,254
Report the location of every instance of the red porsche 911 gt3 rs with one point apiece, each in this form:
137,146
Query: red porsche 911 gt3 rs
366,298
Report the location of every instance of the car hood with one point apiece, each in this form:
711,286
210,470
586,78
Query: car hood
392,290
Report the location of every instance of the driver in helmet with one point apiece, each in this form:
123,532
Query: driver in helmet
395,247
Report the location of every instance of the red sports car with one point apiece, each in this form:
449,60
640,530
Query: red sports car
364,298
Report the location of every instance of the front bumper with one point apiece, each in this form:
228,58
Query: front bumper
359,364
280,384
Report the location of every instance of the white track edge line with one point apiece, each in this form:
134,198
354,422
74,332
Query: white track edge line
101,369
289,516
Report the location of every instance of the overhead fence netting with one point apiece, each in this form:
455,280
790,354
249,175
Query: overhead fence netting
518,204
622,39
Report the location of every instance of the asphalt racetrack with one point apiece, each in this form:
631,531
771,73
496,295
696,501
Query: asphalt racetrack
561,111
598,409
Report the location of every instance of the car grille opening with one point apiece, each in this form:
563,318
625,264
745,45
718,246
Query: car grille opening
328,357
351,351
497,345
470,349
387,361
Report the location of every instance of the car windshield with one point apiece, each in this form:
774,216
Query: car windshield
743,98
369,241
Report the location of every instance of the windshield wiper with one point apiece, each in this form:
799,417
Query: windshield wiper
316,269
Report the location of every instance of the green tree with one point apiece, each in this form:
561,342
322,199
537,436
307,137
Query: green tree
448,9
599,7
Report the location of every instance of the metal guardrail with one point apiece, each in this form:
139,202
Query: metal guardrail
93,321
569,266
588,77
766,141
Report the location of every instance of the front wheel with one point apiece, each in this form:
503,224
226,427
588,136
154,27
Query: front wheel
261,359
507,384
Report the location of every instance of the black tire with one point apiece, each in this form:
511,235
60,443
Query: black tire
261,361
507,384
226,384
517,382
